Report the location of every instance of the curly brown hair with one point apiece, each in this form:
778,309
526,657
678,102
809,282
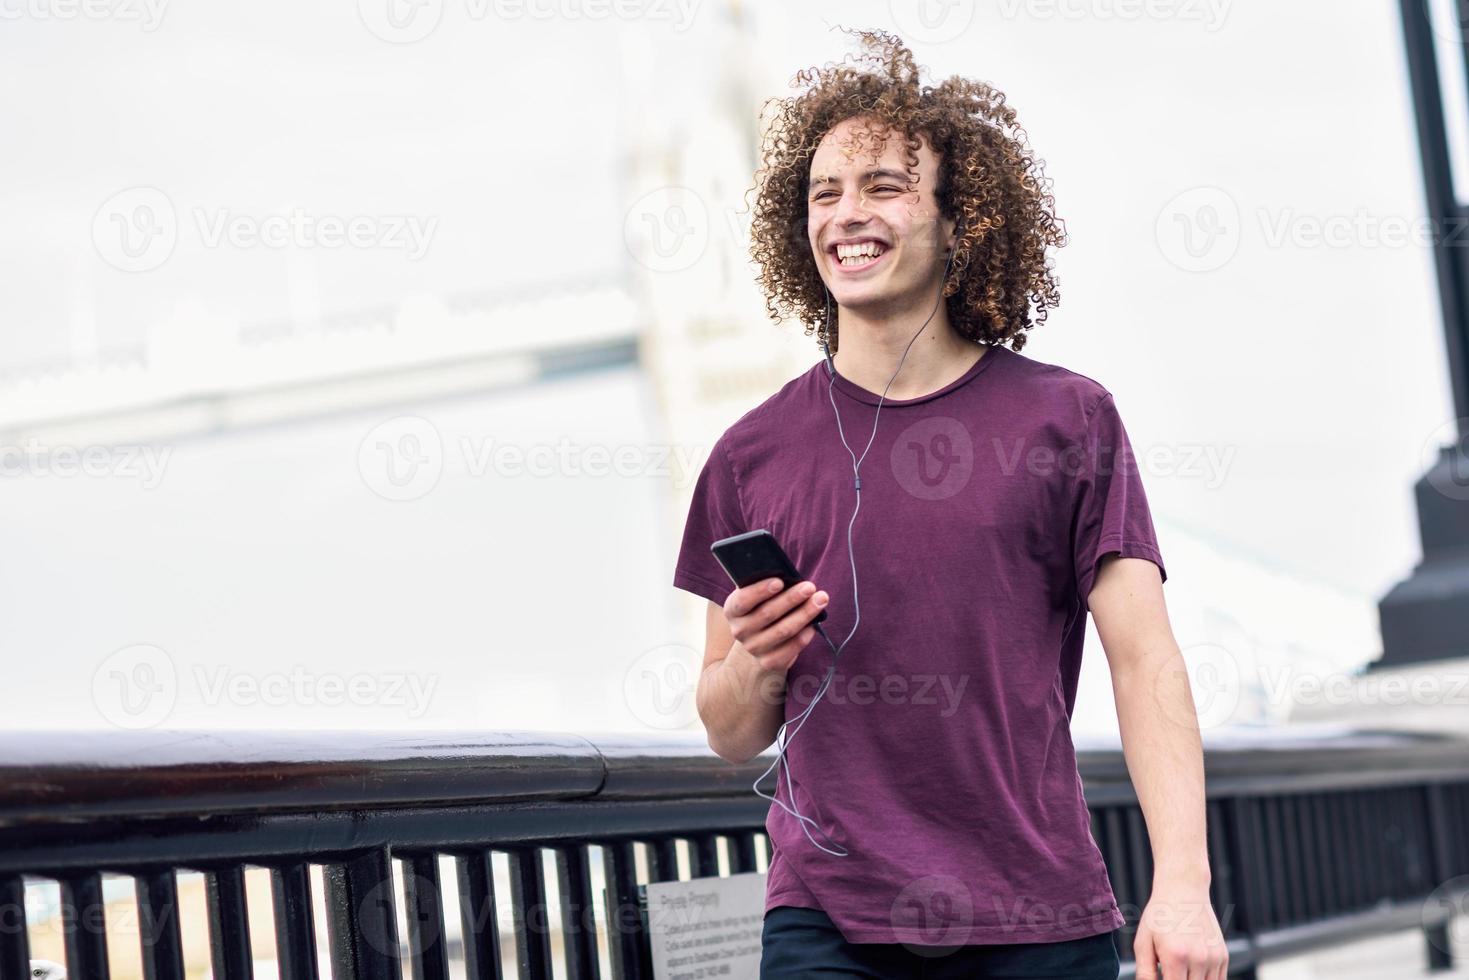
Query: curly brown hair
988,181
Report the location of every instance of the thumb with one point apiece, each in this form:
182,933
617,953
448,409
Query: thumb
1144,955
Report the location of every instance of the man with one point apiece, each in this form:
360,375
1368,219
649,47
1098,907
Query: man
998,502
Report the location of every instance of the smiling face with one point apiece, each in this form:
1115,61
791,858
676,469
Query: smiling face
878,237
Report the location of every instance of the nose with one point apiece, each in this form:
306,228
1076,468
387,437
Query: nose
850,210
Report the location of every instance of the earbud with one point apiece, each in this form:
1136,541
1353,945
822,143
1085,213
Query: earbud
830,368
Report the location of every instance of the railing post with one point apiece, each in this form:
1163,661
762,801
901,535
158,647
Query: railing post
15,957
361,919
158,918
295,928
478,916
628,940
229,924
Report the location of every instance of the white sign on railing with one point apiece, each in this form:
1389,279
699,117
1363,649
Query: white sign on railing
706,928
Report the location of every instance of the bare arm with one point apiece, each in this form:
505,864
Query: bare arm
1164,752
750,644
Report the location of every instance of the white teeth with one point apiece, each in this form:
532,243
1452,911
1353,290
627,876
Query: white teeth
860,253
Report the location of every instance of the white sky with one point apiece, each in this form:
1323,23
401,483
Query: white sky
1316,371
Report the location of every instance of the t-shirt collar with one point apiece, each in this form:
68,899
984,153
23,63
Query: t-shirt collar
854,390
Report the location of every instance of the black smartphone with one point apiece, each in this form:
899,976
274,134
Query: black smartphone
747,558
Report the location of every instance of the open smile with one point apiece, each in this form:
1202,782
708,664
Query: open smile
859,263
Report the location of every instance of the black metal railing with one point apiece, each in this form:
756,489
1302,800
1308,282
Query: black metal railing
1315,839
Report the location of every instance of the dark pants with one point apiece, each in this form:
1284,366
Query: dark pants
799,942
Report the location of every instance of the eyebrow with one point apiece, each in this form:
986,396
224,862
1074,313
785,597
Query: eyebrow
892,174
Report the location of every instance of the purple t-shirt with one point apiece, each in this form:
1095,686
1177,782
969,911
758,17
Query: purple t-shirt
940,757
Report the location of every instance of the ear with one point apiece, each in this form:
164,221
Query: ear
950,233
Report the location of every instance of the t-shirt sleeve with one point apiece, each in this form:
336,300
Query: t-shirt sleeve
714,513
1111,507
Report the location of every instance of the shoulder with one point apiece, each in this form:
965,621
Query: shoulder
1059,391
769,418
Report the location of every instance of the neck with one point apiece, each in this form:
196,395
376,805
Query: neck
870,349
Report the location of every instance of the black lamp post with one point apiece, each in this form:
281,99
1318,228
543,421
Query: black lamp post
1426,616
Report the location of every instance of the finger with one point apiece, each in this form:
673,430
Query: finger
744,600
1143,956
772,608
789,624
784,655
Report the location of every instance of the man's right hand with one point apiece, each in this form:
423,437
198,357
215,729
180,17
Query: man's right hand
774,624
